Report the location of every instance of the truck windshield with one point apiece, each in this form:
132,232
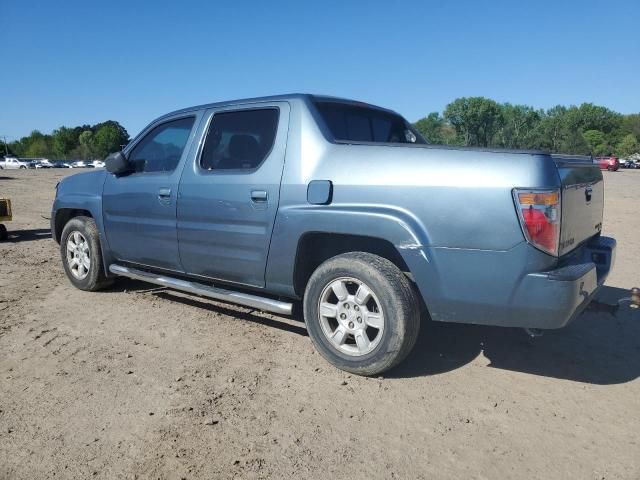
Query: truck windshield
355,123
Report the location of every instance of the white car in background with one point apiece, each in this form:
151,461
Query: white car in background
80,164
42,163
98,164
11,163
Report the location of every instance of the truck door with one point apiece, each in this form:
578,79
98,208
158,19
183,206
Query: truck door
228,198
139,209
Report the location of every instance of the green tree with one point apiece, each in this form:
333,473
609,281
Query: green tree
430,127
64,141
597,142
38,145
550,131
631,124
109,137
87,148
475,119
628,146
593,117
518,127
437,130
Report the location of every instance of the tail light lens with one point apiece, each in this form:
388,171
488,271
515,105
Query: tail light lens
539,212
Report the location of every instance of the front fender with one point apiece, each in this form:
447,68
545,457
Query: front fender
78,194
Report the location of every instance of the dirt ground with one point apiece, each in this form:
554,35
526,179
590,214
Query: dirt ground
137,382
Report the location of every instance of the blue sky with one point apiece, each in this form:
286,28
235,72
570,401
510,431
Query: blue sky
75,62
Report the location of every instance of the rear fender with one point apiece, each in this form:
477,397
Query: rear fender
397,226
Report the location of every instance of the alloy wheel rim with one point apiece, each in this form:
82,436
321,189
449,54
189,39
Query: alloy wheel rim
78,255
351,316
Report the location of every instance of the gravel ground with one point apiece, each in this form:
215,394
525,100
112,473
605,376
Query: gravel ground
137,382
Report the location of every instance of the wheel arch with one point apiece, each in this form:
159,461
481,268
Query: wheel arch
66,210
62,217
314,248
387,231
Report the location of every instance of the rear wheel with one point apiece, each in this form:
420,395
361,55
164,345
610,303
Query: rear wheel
362,313
81,254
3,232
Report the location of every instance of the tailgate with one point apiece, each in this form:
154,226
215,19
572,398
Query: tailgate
582,200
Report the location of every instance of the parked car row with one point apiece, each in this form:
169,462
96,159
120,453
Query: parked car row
14,163
629,164
87,164
612,163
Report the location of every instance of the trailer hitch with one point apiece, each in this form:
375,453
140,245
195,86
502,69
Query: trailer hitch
633,301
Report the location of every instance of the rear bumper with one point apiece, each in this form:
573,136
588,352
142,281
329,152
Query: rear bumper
521,287
552,299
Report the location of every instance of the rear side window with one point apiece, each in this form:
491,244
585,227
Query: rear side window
239,140
160,150
354,123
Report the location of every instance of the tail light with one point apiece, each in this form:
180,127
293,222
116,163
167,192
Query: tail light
539,212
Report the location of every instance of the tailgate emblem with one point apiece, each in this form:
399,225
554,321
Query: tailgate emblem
587,194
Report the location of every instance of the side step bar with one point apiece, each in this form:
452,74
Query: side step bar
246,299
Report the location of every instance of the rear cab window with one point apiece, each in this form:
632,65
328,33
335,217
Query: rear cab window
362,123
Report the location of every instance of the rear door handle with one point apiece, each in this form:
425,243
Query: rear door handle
164,193
259,196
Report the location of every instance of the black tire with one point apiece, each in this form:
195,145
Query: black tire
3,233
398,300
95,278
22,167
610,168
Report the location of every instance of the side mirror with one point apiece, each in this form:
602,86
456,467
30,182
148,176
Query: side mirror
117,164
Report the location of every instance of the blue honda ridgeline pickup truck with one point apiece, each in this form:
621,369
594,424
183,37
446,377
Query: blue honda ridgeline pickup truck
344,206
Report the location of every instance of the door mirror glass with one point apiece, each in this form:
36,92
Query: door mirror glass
117,164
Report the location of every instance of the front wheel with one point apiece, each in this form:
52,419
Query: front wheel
81,254
362,313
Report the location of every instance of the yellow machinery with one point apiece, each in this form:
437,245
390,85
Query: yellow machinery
5,216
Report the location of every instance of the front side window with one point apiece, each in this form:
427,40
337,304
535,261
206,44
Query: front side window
355,123
239,140
160,150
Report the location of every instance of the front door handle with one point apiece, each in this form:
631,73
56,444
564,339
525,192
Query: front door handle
259,196
164,193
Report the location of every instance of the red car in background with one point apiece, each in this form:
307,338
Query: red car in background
608,163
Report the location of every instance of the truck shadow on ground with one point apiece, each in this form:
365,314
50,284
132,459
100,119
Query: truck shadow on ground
597,348
237,312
